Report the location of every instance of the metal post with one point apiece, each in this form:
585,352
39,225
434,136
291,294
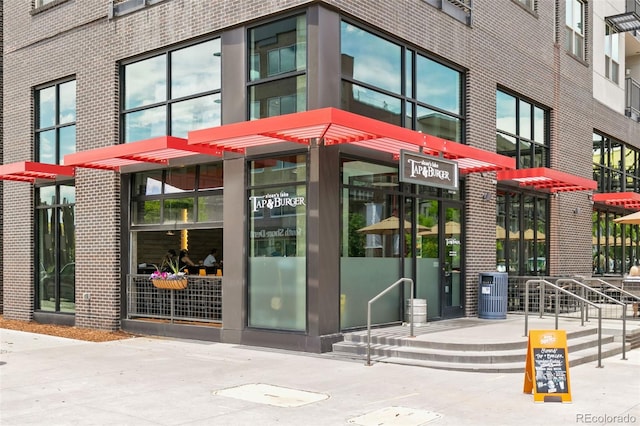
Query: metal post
369,333
526,308
624,331
171,301
541,300
411,334
557,306
599,337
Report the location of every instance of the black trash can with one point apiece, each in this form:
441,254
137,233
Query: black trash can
492,295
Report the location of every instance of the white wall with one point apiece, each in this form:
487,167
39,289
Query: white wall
605,90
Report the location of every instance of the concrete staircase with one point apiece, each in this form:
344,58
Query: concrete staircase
507,356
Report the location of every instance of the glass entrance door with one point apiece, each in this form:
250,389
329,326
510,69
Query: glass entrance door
438,258
451,284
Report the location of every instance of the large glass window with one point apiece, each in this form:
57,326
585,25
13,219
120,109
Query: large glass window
615,165
387,81
178,196
521,229
616,247
616,168
522,130
56,248
55,122
574,27
176,209
172,93
277,211
369,261
277,61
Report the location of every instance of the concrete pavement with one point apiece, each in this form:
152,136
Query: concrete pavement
46,380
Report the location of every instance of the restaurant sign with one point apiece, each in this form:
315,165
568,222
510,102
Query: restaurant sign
428,170
276,200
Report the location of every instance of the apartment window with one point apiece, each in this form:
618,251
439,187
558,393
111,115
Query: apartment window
522,130
172,93
40,3
408,89
55,127
277,59
611,55
574,29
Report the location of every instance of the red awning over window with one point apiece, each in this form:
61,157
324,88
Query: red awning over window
28,171
157,150
547,180
332,126
628,200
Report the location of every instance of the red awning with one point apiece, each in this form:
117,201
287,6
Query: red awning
548,180
157,150
628,200
334,126
28,171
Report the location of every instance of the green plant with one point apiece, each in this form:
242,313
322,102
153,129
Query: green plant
161,274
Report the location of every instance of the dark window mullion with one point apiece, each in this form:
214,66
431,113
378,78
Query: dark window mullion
168,100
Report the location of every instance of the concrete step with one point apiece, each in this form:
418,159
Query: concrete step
589,355
360,337
496,357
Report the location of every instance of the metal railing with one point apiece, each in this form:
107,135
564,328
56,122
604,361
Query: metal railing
632,90
585,292
542,287
201,301
615,290
382,293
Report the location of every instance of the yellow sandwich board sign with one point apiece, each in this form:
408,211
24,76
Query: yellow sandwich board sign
547,366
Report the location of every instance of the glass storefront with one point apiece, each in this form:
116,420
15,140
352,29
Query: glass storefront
176,209
277,243
377,248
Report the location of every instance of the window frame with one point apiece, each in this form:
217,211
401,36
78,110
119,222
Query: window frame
166,218
575,30
168,101
535,144
57,208
57,125
298,74
611,50
407,94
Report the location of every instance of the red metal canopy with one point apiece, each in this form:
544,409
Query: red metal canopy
28,171
334,126
545,179
156,150
628,200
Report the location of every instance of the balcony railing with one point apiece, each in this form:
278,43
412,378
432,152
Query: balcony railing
122,7
458,9
632,108
629,20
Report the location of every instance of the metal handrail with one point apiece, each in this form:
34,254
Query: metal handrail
382,293
584,288
614,287
558,289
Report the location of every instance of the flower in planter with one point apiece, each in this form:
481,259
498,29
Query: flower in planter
161,274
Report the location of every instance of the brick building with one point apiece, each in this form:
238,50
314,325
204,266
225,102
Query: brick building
278,132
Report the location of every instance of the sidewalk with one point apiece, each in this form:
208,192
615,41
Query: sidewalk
47,380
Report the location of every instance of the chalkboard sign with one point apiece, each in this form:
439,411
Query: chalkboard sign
547,366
